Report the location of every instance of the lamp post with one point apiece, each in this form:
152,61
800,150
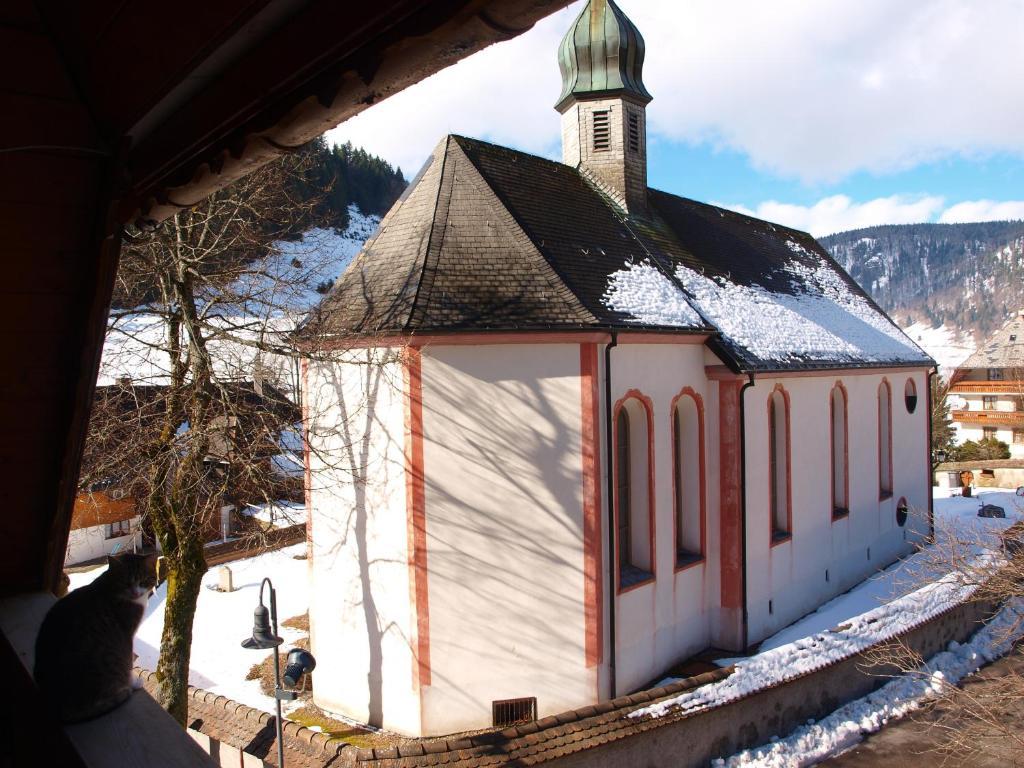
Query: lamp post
264,635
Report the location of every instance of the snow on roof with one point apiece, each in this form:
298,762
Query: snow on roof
643,292
821,320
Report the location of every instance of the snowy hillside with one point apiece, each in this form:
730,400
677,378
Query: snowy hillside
279,291
946,346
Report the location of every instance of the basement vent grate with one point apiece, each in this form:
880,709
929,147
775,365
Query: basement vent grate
506,712
602,131
634,132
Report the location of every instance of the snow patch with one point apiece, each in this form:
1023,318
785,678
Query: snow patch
949,347
649,297
846,726
822,320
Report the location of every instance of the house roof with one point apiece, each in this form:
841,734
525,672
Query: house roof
1003,349
490,238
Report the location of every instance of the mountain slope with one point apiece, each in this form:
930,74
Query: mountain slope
966,277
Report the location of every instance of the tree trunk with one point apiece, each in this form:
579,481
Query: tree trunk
184,579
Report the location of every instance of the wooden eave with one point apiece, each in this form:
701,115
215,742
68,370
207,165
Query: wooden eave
115,112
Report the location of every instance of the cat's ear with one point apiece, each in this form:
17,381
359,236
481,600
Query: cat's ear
113,562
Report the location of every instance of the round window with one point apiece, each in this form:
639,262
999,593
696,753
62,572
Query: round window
902,512
910,395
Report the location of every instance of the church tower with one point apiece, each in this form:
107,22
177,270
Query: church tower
603,103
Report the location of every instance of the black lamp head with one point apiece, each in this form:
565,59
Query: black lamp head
262,636
299,663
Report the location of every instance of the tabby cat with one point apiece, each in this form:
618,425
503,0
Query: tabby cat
84,649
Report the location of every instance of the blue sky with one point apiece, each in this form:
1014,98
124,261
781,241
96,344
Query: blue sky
825,115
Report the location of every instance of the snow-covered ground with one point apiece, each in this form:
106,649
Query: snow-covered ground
224,619
845,727
947,346
892,600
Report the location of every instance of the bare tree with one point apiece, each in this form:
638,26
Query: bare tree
204,307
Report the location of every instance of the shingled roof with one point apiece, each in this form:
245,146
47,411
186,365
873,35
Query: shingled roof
1003,349
490,238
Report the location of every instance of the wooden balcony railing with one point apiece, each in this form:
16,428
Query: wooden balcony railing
1009,387
997,418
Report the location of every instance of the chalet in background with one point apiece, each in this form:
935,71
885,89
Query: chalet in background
989,386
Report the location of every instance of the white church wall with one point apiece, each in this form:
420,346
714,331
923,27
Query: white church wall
504,511
360,612
665,620
824,557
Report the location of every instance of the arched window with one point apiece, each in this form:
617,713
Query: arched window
884,440
633,491
840,454
688,476
778,464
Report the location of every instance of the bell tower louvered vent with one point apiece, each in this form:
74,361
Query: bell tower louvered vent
602,131
634,132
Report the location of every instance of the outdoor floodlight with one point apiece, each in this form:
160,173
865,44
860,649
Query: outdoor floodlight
299,663
264,635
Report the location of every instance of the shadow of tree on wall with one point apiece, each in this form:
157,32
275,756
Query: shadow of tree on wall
517,545
356,460
506,535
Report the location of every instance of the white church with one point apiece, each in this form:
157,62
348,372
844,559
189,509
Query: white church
578,430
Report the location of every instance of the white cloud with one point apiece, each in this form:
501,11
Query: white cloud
983,210
810,90
839,213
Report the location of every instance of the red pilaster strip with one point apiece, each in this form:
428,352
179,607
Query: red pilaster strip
593,592
730,491
415,500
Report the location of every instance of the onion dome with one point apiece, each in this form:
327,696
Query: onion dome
602,54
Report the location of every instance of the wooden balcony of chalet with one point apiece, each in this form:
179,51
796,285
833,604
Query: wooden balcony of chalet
1008,387
993,418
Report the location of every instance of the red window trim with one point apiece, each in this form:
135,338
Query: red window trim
839,513
773,541
648,406
702,555
885,493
